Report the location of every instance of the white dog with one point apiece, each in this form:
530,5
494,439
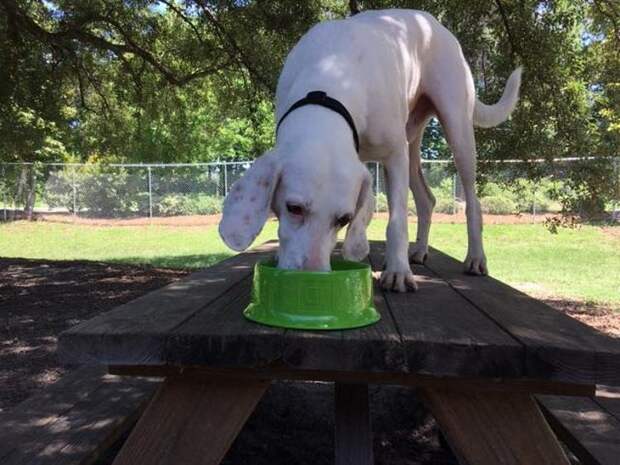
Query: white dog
390,72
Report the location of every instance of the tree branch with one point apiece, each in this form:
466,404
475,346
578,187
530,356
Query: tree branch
511,40
66,38
185,19
613,17
237,53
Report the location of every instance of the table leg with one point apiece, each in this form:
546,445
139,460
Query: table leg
495,428
353,430
191,421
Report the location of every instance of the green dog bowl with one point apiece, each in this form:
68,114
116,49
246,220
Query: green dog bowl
337,299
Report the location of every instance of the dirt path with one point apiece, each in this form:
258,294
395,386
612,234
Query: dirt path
40,299
212,220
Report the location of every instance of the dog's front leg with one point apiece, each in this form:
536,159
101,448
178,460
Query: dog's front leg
397,275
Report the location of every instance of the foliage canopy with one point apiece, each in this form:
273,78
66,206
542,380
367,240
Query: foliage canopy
193,80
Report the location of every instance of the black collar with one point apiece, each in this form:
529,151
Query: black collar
318,97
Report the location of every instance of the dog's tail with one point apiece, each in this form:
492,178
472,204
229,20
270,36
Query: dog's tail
487,116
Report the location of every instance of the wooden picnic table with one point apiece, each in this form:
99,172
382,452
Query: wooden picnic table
474,348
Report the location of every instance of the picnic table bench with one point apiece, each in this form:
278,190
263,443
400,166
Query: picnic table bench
476,350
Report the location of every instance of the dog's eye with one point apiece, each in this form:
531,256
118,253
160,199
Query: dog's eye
343,221
295,209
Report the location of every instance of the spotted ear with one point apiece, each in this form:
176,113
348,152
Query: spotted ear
355,245
248,202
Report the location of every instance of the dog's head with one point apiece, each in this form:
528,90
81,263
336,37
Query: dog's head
313,196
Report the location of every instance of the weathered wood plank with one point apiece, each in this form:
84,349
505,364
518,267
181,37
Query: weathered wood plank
352,425
494,429
444,335
591,433
191,422
374,348
608,397
556,346
45,407
136,332
464,327
474,384
75,422
219,335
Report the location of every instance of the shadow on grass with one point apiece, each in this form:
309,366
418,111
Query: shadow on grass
190,262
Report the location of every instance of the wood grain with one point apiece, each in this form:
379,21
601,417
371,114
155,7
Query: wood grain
360,377
138,330
494,428
590,432
374,348
191,422
445,335
219,335
74,421
455,326
352,425
608,397
556,346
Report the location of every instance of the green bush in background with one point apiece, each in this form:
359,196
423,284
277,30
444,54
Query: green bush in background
381,204
498,205
99,191
190,204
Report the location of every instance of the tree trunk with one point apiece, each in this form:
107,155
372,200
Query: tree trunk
354,7
31,194
26,192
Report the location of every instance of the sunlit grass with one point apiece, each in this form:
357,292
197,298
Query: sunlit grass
583,263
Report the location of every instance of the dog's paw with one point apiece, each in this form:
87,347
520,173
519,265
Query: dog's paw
476,265
399,281
418,255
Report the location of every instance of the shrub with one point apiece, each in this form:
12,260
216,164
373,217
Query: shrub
184,180
446,205
528,194
498,205
110,193
381,203
206,204
58,190
98,190
191,204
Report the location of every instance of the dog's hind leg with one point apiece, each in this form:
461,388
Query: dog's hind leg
460,135
455,107
422,195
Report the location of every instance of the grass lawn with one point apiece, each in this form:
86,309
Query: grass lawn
579,264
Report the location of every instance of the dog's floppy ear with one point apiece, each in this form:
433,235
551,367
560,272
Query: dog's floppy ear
248,202
355,245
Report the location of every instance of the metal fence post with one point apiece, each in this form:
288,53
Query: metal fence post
534,205
74,188
225,178
4,188
616,200
150,193
454,194
377,185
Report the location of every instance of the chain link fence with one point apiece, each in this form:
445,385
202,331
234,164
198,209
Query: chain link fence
167,190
